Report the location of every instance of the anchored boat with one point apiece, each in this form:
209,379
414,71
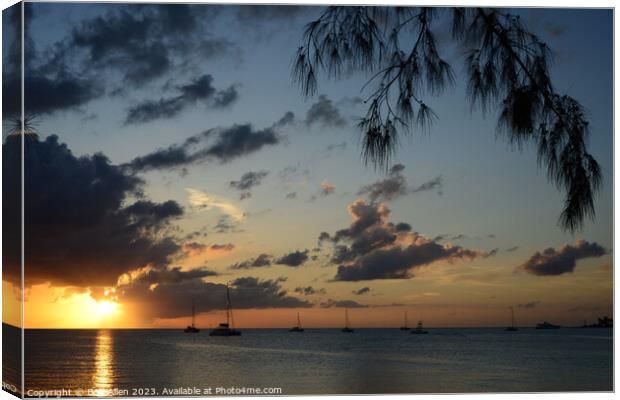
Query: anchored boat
227,328
298,327
192,328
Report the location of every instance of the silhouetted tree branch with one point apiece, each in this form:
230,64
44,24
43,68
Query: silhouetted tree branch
507,67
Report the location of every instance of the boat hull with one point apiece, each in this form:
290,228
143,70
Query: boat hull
222,332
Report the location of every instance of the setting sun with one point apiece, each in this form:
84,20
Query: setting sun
106,307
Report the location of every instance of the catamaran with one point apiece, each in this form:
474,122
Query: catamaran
298,327
512,327
346,322
192,328
405,327
226,328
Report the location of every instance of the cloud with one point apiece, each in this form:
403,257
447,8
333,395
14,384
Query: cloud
294,259
200,200
247,182
563,260
222,247
140,42
435,183
218,144
531,304
287,119
291,195
82,228
361,291
45,91
263,260
194,249
331,303
327,188
374,248
309,290
395,186
199,90
172,298
325,114
511,249
339,146
226,224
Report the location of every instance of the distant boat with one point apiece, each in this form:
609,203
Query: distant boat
419,329
227,328
346,322
192,328
405,327
547,325
512,327
298,327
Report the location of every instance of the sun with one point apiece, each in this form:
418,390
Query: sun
106,307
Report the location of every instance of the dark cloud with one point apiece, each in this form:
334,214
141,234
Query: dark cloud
331,303
511,249
373,248
434,184
248,181
531,304
287,119
81,228
45,92
291,195
325,114
170,295
361,291
222,247
402,227
139,42
263,260
226,225
563,260
309,290
200,90
219,144
395,186
47,95
294,259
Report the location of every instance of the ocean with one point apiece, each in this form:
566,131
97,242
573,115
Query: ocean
317,361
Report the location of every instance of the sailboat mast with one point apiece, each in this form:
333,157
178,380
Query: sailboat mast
298,321
406,324
193,314
512,313
346,317
227,306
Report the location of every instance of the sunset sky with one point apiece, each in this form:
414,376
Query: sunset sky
175,155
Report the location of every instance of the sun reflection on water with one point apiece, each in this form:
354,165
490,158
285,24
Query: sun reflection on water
103,376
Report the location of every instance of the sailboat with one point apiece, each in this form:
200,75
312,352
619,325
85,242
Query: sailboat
298,327
346,322
192,328
226,328
419,329
406,326
512,327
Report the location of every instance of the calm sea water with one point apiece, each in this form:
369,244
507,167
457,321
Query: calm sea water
323,361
